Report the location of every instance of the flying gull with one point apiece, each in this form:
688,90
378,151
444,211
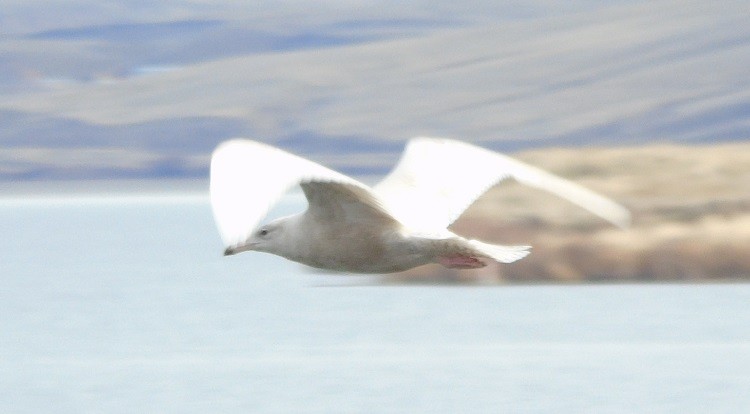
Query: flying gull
395,225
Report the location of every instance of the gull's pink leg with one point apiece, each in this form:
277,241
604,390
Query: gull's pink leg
461,262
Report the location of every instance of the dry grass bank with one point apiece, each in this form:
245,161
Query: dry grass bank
691,218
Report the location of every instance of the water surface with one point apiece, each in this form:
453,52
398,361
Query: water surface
125,305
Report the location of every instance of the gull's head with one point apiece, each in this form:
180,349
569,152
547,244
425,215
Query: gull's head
267,238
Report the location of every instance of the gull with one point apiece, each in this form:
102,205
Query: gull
400,223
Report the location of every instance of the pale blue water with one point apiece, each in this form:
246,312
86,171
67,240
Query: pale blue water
128,306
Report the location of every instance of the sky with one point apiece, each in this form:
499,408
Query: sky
147,90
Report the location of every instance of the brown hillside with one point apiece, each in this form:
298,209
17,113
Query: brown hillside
691,218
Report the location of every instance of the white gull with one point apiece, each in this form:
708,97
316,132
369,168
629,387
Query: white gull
398,224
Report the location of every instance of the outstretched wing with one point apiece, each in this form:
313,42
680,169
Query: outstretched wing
437,179
248,178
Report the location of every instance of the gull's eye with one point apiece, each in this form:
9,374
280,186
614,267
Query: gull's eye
263,232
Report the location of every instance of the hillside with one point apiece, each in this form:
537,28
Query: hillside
151,92
691,219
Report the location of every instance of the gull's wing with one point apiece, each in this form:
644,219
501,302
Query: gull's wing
437,179
248,178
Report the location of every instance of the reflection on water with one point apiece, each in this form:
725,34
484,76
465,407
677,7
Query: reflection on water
130,307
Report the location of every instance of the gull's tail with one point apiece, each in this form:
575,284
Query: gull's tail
459,253
500,253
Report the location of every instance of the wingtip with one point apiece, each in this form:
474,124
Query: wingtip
625,224
624,219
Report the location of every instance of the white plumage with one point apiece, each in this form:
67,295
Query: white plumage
436,180
398,224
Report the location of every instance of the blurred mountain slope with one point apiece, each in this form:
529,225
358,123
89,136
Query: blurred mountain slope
163,92
691,218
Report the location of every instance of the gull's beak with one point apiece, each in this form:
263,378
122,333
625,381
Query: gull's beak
231,250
